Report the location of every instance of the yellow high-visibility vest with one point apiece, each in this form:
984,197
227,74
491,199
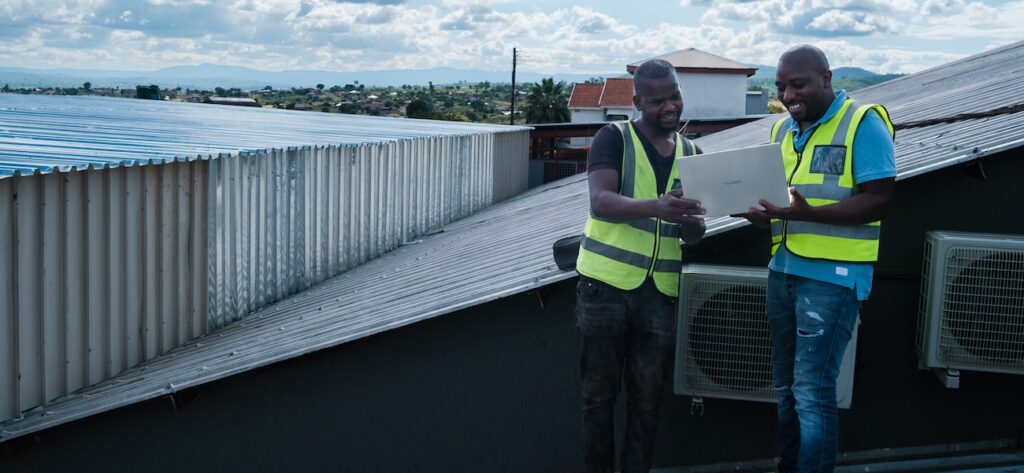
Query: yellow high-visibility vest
823,174
624,254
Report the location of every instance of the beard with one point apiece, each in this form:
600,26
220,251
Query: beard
669,121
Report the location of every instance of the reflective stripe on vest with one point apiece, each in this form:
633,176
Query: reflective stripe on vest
853,243
624,254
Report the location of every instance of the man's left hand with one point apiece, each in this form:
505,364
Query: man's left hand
798,208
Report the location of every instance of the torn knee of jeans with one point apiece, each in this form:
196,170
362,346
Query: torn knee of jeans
784,389
809,333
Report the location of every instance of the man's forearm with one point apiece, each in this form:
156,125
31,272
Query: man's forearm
615,207
857,210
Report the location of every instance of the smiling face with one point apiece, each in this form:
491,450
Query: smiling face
660,102
804,86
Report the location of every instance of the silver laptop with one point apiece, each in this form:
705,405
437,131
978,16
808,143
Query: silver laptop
730,182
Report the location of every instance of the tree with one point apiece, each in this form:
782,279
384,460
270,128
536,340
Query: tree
595,80
7,87
547,102
320,87
418,109
87,86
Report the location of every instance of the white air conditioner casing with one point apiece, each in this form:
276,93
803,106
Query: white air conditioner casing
724,347
971,314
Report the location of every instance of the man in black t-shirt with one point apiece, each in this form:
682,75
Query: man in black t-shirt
629,267
606,153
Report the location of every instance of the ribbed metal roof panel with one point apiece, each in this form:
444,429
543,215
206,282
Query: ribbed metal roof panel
63,133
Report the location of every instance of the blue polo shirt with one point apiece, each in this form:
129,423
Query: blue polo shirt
874,157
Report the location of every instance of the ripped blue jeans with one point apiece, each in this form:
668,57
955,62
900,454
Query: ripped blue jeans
811,323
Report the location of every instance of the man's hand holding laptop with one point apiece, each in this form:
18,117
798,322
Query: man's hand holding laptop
798,209
673,207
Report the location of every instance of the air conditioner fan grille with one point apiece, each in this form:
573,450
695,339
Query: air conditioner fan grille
983,307
728,340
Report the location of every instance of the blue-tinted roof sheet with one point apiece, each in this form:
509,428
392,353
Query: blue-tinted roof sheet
63,133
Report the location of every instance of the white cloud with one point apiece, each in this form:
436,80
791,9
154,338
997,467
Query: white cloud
480,34
973,21
839,21
865,5
822,18
592,22
941,7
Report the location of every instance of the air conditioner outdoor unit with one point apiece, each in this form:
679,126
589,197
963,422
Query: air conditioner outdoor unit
971,314
724,346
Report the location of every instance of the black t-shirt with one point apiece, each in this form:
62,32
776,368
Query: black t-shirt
606,153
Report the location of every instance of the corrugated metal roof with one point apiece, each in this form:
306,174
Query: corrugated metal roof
501,251
63,133
392,291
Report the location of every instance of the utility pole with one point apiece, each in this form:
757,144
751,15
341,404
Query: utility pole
512,116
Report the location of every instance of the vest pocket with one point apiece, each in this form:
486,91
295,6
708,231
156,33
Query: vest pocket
828,159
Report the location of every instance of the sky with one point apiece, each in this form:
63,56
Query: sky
592,37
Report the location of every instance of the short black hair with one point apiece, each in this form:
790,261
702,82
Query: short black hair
807,54
652,69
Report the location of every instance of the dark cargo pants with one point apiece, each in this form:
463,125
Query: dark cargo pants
627,336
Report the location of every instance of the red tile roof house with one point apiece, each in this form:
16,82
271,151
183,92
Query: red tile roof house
606,102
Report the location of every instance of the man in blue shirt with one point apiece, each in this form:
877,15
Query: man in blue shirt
825,245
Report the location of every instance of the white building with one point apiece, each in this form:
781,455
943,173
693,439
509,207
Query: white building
714,88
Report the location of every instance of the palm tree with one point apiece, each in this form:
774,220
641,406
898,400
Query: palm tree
547,102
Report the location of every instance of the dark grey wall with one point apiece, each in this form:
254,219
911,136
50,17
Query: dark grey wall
486,389
494,388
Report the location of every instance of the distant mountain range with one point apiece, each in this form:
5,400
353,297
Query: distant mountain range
208,76
837,73
849,78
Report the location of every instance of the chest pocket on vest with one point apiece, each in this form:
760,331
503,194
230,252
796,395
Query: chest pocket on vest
829,159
